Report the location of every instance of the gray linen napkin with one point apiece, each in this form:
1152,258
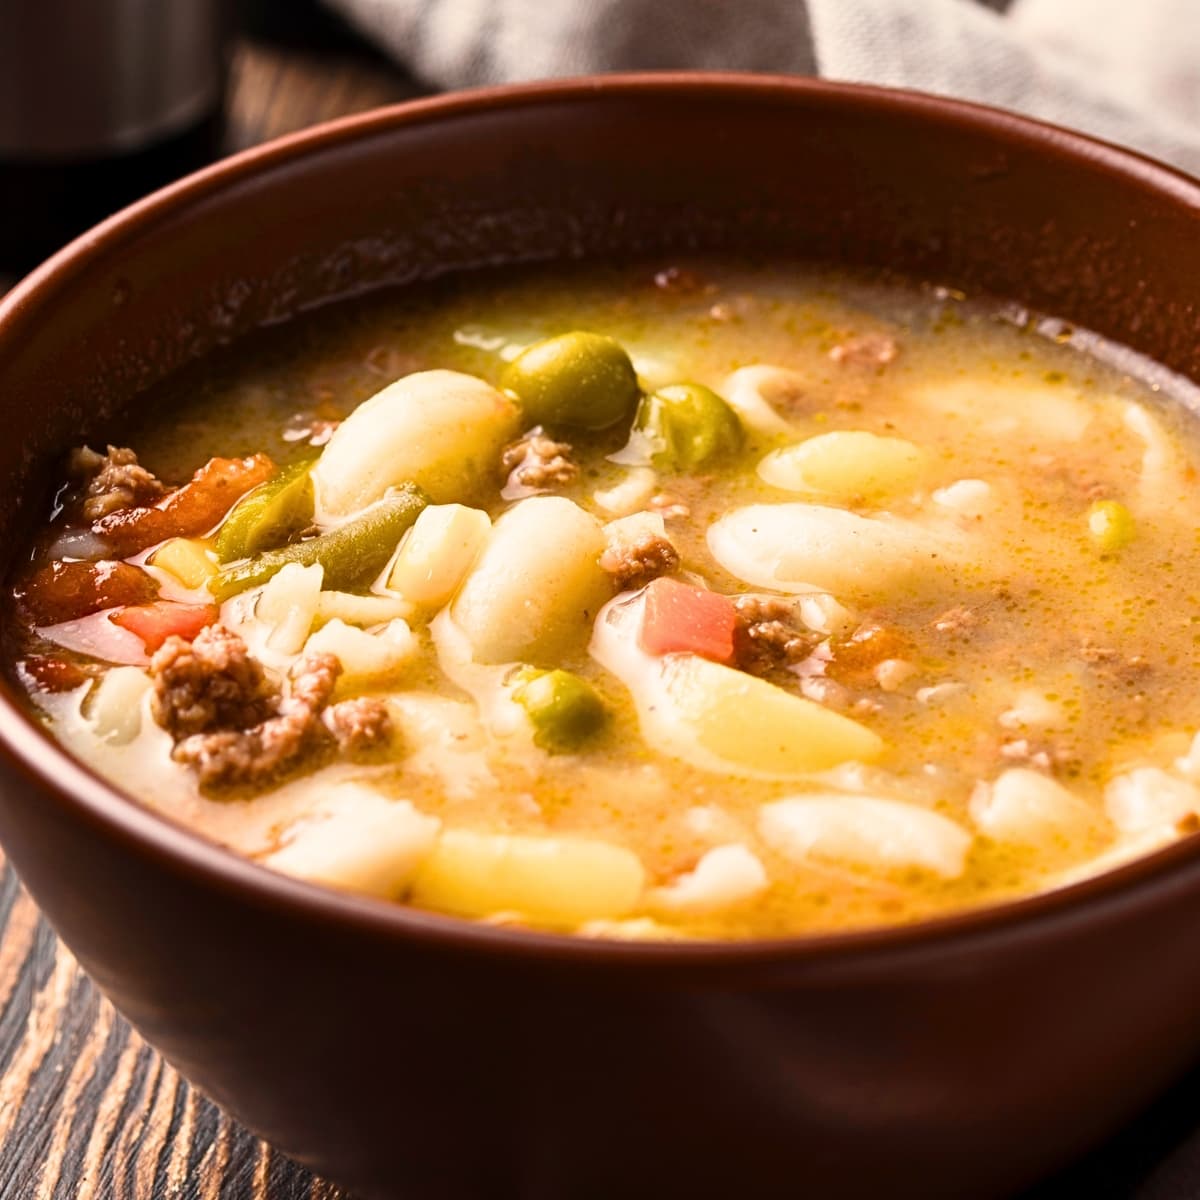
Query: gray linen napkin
1126,70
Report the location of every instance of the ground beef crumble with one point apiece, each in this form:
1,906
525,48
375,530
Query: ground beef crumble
956,621
1042,753
359,725
767,634
537,462
1111,666
668,507
637,553
232,726
211,683
112,481
866,350
683,282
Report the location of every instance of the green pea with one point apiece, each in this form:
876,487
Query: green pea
563,709
1111,525
265,515
685,426
579,379
351,554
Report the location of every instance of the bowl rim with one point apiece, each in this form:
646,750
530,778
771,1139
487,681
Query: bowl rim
29,750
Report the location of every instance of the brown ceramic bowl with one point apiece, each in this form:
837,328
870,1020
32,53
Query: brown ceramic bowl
418,1056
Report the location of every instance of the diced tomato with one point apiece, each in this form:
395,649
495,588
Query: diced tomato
156,622
188,511
52,674
682,618
64,591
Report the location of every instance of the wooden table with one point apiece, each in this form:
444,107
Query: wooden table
89,1112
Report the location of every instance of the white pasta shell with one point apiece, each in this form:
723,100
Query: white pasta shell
437,553
441,430
114,708
1026,807
359,840
1030,414
845,463
1164,483
287,606
537,583
757,393
630,493
1148,798
971,498
865,831
810,547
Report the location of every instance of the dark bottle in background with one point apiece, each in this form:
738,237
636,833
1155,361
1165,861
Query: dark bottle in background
101,101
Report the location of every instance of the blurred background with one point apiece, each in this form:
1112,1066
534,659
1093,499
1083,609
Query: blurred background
101,101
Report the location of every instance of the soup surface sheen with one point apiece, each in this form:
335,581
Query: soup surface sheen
898,616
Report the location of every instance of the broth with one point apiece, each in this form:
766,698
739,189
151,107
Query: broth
956,528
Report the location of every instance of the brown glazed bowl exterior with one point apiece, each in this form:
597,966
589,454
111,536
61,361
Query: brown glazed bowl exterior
416,1056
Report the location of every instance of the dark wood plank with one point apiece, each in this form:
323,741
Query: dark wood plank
275,90
88,1111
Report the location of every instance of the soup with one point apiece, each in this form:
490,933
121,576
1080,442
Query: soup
706,601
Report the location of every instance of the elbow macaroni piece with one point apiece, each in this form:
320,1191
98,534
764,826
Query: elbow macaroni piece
359,840
1029,808
288,604
725,876
362,610
364,655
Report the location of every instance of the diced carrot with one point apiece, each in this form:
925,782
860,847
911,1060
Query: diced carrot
64,591
855,658
156,622
188,511
682,618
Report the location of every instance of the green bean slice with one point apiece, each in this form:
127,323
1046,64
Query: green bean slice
268,513
351,554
